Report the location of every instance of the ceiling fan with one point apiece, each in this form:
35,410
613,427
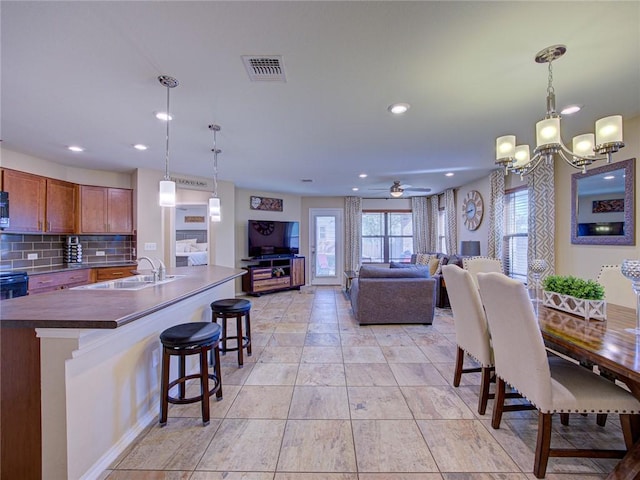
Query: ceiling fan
397,189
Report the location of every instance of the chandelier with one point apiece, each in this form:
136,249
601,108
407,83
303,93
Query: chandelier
167,186
214,202
587,148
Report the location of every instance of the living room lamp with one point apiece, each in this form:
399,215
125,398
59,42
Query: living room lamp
167,187
215,211
587,148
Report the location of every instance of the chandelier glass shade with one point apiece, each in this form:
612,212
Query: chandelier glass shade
586,148
215,210
167,186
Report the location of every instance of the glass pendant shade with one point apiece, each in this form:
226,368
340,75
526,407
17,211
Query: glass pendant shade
548,132
609,130
215,212
167,193
522,156
505,147
583,144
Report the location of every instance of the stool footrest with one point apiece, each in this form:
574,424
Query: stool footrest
182,401
245,344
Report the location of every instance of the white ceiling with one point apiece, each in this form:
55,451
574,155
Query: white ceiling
86,73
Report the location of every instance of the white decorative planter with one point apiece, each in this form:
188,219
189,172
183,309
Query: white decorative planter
596,309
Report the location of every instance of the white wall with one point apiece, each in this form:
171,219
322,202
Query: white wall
483,186
183,211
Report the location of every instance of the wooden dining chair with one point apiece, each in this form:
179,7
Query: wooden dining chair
472,333
553,385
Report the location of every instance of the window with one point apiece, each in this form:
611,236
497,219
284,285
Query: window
387,237
516,228
442,242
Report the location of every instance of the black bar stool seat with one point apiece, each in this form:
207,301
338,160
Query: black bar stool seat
234,308
197,338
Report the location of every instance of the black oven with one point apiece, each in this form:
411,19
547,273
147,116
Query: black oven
13,284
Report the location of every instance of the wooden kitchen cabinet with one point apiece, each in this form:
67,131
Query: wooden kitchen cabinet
39,204
106,210
47,282
111,273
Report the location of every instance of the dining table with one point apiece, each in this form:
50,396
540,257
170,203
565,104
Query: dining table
607,345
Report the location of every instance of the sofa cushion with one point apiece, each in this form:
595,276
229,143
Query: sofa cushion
370,271
401,265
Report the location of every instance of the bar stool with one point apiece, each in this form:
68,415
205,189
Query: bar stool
230,308
183,340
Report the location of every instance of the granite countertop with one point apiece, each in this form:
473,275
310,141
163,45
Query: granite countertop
72,266
86,308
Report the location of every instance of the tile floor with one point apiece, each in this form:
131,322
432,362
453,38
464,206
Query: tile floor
323,398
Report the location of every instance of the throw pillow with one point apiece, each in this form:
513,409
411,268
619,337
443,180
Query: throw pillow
441,261
434,263
422,258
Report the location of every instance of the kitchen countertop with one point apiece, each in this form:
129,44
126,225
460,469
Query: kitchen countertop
71,266
104,309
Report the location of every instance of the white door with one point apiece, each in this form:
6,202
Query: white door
326,246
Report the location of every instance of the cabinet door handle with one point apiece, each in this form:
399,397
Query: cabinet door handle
117,274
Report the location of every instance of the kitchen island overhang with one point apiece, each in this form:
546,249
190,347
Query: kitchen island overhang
100,362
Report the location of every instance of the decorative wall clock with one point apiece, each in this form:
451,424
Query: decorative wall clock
472,209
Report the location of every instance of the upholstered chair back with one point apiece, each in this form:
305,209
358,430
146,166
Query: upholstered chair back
518,348
475,265
472,332
617,287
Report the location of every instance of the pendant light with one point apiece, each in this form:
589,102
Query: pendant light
215,211
167,187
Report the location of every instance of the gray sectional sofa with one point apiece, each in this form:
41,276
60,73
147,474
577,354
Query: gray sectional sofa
382,295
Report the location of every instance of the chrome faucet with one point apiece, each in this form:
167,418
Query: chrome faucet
162,270
154,270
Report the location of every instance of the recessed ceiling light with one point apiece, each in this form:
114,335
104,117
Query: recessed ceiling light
75,148
163,116
570,109
398,108
355,189
449,174
139,146
363,175
609,177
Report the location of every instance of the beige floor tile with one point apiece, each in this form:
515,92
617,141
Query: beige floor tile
176,446
484,476
321,354
435,402
396,338
369,375
323,339
319,374
244,445
391,446
319,403
377,403
147,475
569,476
261,401
440,353
273,374
316,476
217,409
260,339
399,476
404,354
232,476
352,339
287,339
415,374
280,355
363,354
292,327
465,446
323,328
317,446
468,379
232,375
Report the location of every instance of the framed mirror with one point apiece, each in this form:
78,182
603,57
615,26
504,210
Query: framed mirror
602,205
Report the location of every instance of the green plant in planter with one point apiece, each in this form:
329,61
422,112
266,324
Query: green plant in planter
575,287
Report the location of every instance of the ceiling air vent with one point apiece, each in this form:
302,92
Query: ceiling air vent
264,68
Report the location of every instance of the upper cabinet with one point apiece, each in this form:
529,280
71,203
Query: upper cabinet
39,204
106,210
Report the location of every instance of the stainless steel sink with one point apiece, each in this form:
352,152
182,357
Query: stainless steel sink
137,282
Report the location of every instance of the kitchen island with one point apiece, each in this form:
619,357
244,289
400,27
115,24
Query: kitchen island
92,386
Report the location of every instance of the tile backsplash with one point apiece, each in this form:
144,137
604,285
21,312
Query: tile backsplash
16,248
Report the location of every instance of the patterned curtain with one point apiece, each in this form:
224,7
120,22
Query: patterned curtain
451,233
353,233
540,185
496,214
432,244
420,216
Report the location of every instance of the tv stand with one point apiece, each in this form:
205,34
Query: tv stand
273,275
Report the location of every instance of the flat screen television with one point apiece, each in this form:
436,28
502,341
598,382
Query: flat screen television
273,239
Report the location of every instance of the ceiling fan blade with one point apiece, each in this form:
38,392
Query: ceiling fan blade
418,189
